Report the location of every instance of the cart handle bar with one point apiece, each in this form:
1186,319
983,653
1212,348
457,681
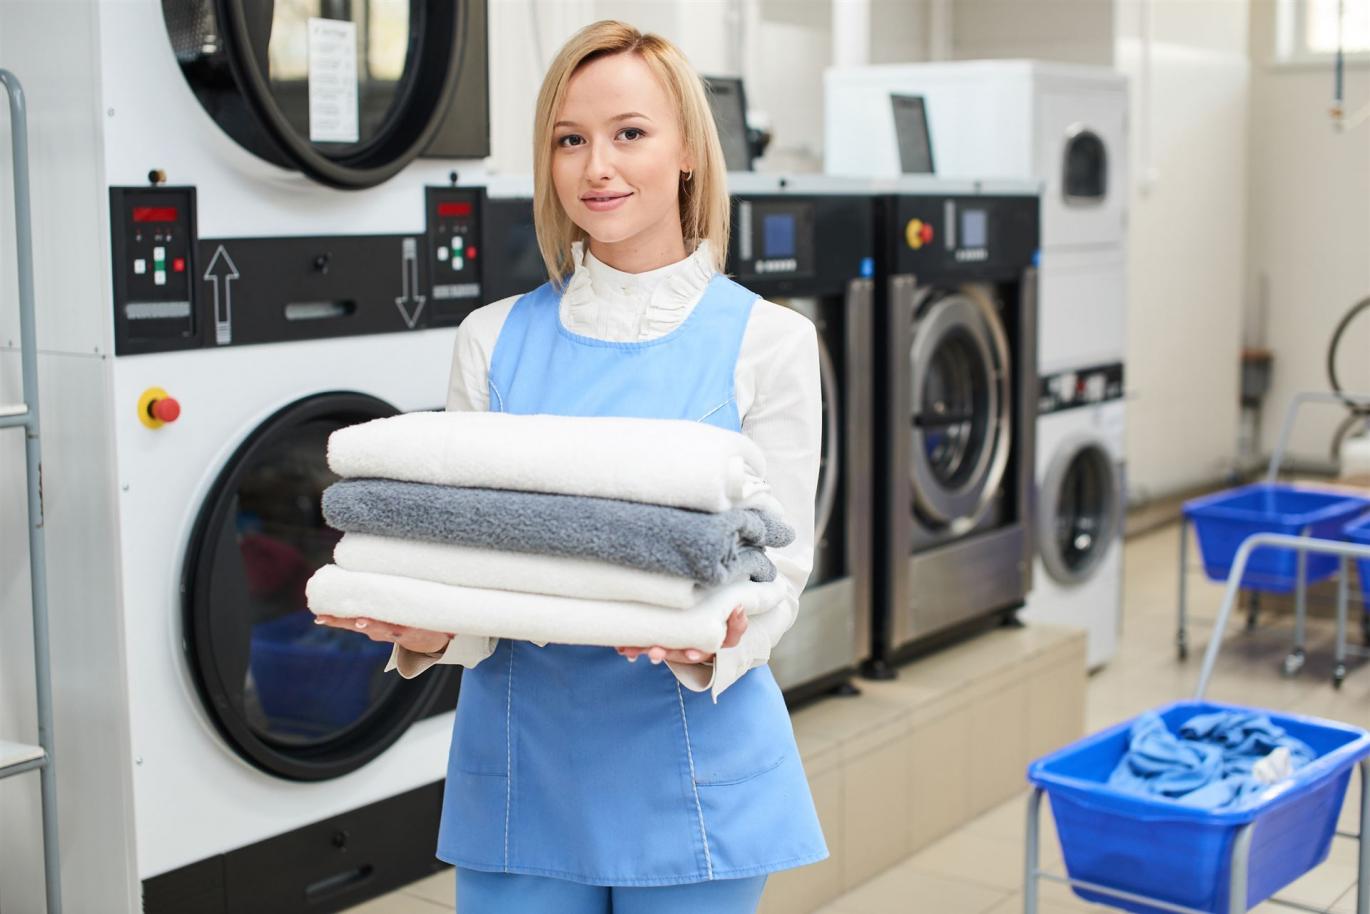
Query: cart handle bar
1234,580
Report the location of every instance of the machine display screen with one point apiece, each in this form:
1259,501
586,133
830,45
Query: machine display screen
974,228
778,235
155,214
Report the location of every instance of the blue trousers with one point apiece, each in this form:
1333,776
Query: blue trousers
479,892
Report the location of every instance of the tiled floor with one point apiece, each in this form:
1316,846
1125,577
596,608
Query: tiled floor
978,869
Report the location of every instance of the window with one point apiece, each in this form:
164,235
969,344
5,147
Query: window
1320,25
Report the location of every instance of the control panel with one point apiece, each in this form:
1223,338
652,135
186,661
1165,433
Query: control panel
786,244
153,264
938,235
775,237
174,290
454,249
1079,387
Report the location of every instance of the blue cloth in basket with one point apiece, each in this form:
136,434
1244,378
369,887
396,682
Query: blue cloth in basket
1208,763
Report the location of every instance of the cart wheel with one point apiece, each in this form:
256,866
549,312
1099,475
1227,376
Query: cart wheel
1338,676
1293,663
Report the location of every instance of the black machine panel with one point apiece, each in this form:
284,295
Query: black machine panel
1080,387
943,239
173,290
800,245
513,263
330,865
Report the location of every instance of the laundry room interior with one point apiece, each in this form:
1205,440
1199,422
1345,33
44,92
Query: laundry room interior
1010,484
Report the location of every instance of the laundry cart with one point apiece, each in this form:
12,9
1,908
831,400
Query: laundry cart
1222,523
1148,853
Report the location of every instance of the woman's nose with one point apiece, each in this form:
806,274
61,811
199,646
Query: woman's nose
600,162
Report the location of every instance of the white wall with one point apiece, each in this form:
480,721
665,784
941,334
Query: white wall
1308,234
1073,31
1187,239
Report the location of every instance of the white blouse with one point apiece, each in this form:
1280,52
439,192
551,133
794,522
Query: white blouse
778,398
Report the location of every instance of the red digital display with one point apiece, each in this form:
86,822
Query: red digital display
155,214
456,208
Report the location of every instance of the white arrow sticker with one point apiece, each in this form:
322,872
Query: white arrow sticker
409,277
221,266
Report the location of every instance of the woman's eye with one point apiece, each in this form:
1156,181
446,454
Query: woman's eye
631,133
570,139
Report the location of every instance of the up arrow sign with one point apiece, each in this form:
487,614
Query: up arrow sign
221,267
410,280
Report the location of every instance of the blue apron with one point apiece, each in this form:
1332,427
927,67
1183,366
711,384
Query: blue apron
568,761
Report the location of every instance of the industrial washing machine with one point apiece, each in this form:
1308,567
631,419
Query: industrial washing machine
1081,506
807,243
253,235
955,410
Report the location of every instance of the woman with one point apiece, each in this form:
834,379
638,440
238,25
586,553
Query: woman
578,780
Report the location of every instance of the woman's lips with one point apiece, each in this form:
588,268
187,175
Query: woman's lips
603,203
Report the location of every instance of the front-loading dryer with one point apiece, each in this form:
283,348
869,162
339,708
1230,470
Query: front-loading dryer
247,234
955,407
1081,505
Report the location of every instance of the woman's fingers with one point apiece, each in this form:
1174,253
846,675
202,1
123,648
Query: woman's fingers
737,626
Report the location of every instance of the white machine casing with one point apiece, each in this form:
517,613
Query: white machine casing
1090,597
991,119
146,784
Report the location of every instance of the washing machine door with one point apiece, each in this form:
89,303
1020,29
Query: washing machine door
1080,508
298,700
346,91
961,401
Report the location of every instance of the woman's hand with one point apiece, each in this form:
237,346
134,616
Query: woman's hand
737,624
419,640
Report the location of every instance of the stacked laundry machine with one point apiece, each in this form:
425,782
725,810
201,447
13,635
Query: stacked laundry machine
254,237
1064,126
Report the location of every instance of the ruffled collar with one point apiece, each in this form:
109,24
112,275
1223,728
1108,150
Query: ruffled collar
606,303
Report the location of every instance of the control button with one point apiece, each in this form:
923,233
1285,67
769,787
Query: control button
159,277
159,253
471,252
140,266
442,252
458,242
156,408
458,263
913,233
166,409
926,233
178,265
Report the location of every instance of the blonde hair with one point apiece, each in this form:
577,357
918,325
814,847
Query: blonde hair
704,200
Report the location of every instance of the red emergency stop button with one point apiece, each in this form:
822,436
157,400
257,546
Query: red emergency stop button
166,409
156,408
918,233
178,265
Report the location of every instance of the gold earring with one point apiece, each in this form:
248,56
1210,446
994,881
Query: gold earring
689,174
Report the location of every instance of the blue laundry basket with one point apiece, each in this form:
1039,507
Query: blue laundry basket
309,680
1222,521
1164,850
1358,531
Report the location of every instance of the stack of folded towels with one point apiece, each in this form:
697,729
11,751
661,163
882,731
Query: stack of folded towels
597,531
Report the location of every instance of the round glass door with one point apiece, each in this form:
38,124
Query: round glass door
296,699
959,373
1081,503
346,91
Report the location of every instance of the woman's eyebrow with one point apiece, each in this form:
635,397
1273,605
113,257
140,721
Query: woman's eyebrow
615,119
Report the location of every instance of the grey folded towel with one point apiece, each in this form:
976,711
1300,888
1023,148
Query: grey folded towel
711,548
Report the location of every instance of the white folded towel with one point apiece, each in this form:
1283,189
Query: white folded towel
671,462
535,617
495,569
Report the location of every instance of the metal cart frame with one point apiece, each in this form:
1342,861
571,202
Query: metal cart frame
16,758
1241,846
1294,662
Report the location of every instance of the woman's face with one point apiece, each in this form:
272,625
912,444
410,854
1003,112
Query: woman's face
618,154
